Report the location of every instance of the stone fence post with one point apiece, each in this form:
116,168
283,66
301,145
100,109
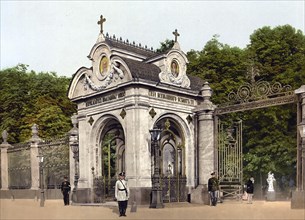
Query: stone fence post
34,158
206,150
4,161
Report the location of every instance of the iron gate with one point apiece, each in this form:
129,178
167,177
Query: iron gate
174,189
230,160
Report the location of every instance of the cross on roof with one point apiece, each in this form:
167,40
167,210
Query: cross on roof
100,22
176,35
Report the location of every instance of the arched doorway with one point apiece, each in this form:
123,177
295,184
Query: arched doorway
112,157
172,162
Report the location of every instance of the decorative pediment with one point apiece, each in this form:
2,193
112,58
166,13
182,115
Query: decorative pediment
174,69
107,71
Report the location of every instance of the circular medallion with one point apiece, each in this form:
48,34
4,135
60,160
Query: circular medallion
104,65
174,68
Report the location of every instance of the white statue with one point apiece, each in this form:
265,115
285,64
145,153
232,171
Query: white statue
270,181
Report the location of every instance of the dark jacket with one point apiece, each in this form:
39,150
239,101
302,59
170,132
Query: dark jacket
65,187
213,184
250,187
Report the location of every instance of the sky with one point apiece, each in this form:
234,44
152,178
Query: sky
57,36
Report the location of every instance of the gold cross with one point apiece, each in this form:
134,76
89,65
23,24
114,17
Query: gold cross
176,35
100,22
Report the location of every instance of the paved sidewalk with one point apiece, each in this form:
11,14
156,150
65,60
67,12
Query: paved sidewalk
54,209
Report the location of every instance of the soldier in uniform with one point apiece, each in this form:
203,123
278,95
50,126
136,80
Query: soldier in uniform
213,187
122,193
65,189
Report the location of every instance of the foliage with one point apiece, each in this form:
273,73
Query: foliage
28,98
109,154
269,135
165,46
224,67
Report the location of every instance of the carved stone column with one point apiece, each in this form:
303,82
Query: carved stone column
4,161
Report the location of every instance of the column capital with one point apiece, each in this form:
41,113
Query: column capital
5,146
300,90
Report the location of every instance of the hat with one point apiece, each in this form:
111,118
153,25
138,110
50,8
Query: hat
213,173
122,174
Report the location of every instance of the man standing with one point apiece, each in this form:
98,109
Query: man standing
65,189
213,186
122,193
250,189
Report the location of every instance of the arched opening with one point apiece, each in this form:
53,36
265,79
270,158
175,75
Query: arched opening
112,157
172,160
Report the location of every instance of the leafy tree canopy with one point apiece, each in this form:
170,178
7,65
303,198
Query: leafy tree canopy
28,97
277,55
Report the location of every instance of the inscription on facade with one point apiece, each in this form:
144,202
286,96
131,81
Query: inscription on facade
171,98
96,101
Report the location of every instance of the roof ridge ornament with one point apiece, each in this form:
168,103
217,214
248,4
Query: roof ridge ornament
100,22
176,35
101,36
176,44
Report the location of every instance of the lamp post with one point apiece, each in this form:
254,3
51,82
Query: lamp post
156,194
75,150
42,199
301,128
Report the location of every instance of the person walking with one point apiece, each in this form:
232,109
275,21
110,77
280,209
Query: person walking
122,193
250,189
65,189
213,187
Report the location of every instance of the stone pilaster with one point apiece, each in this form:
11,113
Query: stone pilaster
4,161
34,157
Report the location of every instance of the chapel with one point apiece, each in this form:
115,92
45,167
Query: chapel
129,90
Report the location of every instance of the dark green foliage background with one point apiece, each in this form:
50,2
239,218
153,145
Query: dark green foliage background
28,97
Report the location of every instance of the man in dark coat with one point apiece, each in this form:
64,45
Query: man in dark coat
250,189
213,187
65,189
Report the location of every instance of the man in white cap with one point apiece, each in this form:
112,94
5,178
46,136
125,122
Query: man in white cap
122,193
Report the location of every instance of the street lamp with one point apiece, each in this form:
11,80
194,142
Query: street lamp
156,194
75,150
40,158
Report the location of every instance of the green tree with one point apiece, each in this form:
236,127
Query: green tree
165,46
270,134
224,67
279,53
27,98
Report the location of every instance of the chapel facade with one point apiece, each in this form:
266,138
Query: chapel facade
129,90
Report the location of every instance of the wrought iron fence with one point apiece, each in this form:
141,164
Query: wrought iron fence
19,166
56,161
55,165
